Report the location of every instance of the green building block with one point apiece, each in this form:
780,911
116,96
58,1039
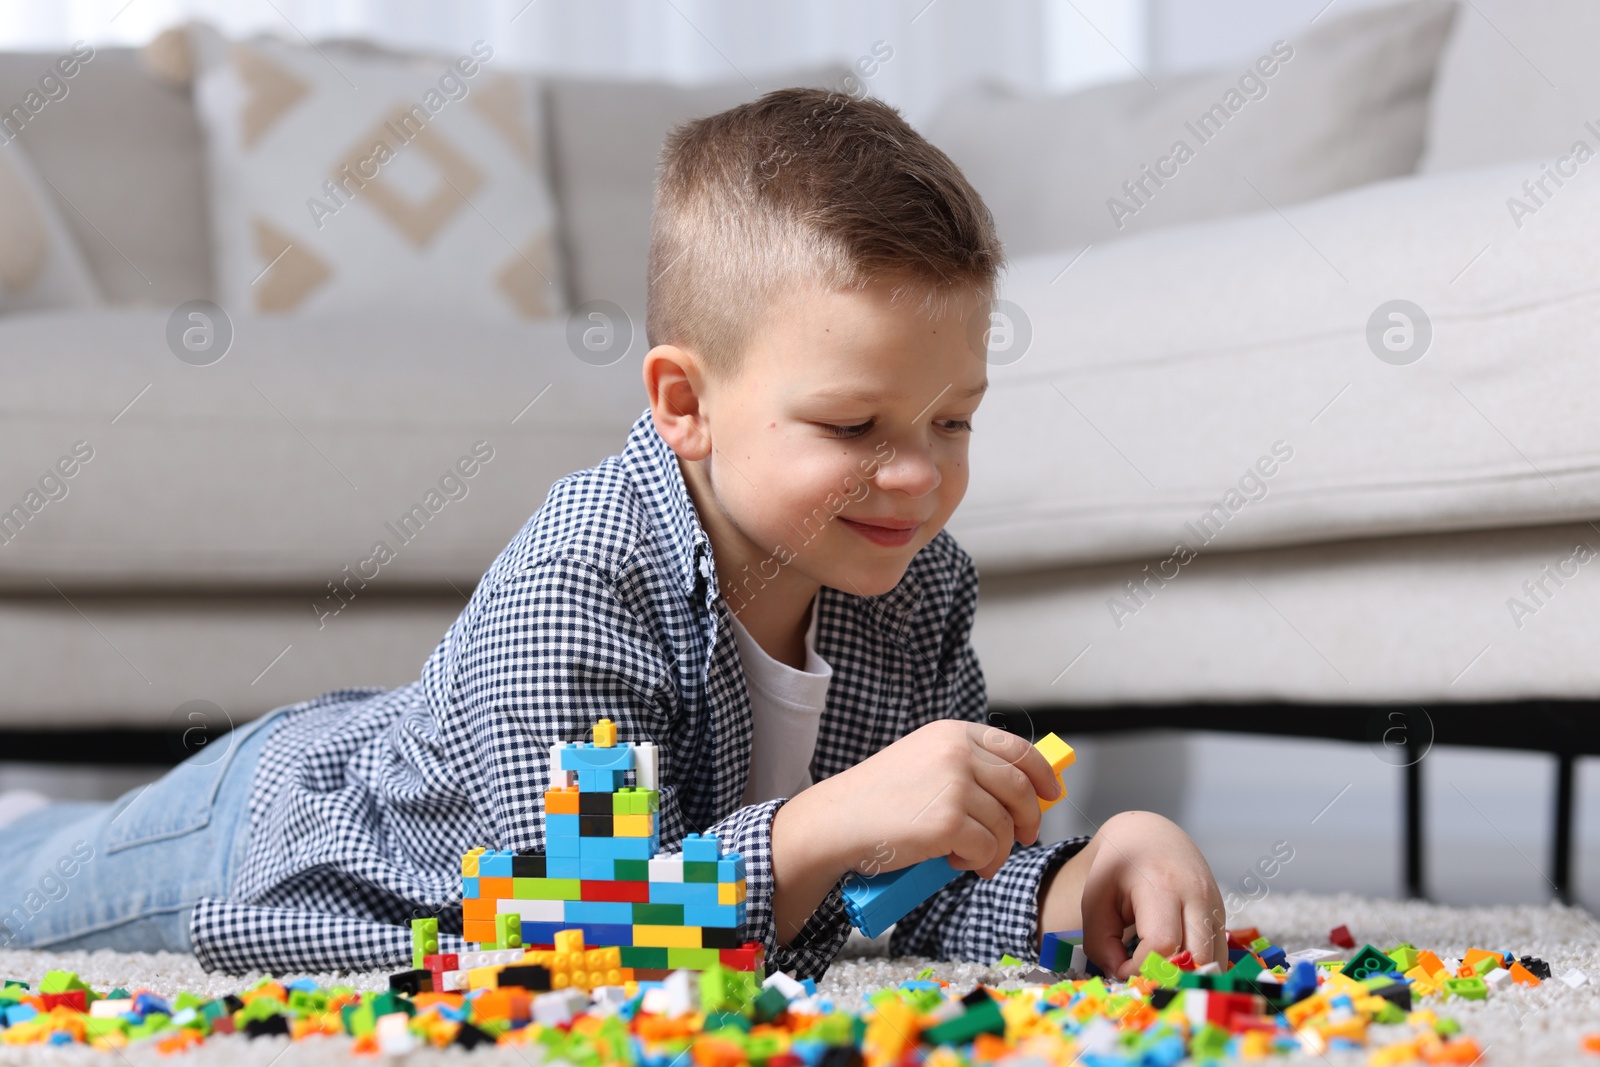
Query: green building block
981,1018
640,956
1404,955
508,930
1467,988
424,940
631,870
695,871
721,989
1367,962
658,914
60,982
547,888
769,1004
1161,971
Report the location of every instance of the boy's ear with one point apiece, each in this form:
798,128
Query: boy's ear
675,383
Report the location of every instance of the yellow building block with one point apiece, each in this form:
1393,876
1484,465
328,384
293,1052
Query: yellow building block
1060,756
483,977
605,734
666,936
569,941
731,892
630,825
469,863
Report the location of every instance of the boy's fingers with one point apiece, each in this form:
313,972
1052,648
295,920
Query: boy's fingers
1160,927
996,745
973,846
1013,793
1103,923
1207,939
994,843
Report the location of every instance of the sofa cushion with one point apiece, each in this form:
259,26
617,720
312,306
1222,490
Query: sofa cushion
140,661
40,266
123,151
605,138
1167,375
376,185
290,459
1518,80
1341,105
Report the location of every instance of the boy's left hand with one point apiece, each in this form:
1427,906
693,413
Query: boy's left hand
1139,872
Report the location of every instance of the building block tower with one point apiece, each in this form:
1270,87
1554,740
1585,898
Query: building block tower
641,913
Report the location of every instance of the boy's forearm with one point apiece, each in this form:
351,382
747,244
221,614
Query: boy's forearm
805,863
1061,892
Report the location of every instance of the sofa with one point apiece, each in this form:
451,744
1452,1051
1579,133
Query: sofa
1212,468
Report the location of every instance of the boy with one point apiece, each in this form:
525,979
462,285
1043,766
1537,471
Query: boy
760,583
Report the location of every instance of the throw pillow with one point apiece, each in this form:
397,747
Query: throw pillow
40,266
345,182
1339,106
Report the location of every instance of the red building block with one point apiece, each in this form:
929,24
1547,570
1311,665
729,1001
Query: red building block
1340,935
76,999
615,892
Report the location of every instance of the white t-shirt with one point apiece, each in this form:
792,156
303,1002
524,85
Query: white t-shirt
786,706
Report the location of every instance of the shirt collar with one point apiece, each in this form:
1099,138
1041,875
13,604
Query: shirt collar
660,479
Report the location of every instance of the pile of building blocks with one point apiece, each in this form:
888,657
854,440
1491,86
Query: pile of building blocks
876,902
602,905
1314,1002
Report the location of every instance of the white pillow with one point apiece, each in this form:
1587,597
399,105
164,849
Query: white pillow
324,197
1342,105
40,266
1163,372
1518,81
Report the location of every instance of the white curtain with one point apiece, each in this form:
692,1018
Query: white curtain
932,46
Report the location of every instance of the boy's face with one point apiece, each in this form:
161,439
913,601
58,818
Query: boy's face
839,447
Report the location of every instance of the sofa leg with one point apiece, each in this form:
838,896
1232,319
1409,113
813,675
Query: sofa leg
1561,838
1416,887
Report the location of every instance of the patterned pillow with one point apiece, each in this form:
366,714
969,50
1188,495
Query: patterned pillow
40,265
342,181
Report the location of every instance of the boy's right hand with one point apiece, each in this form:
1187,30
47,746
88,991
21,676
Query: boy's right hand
952,788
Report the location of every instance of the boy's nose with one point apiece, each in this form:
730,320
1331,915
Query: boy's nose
911,471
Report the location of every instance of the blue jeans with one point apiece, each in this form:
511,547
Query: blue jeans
126,874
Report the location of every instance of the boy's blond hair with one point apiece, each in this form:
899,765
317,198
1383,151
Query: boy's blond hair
804,187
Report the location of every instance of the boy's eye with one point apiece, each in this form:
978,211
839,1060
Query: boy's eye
847,431
958,424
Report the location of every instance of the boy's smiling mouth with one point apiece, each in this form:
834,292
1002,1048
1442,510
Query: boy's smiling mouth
890,533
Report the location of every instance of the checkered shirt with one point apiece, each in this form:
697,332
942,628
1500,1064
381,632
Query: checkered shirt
600,607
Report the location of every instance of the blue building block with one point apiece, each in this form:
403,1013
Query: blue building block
600,780
596,869
1302,981
697,849
730,868
495,863
724,915
618,848
541,933
683,893
1274,956
607,934
587,756
469,888
563,846
558,825
562,867
584,912
874,904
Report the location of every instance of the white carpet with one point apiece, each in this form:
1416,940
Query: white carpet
1514,1026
